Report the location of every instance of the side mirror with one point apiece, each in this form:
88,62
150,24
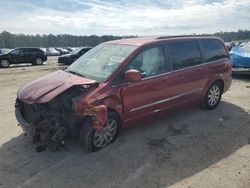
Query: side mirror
133,75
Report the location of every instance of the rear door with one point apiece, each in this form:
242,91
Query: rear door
188,77
142,97
29,55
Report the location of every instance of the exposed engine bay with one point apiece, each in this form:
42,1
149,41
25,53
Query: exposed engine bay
57,119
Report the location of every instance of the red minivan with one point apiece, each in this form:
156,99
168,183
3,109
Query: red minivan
120,81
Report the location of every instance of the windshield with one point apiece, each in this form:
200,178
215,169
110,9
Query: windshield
100,62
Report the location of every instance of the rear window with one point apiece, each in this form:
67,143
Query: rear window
214,50
183,54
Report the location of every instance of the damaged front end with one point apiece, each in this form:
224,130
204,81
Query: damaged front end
52,121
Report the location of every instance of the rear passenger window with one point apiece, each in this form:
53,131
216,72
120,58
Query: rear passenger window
214,50
28,51
183,54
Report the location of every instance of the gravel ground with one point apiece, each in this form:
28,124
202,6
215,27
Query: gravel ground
190,148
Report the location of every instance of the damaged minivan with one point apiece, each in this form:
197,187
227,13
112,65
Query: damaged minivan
120,81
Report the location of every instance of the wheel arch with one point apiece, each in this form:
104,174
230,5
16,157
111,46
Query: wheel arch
217,80
220,81
114,105
112,110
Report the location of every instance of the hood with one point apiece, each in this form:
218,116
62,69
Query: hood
66,55
4,55
46,88
240,51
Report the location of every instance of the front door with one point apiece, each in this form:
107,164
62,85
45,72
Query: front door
18,56
142,97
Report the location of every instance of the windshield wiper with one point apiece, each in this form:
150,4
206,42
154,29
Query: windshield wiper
75,73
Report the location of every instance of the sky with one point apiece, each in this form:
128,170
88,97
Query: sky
123,17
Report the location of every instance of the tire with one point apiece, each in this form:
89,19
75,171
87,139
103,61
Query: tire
38,61
4,63
213,96
89,138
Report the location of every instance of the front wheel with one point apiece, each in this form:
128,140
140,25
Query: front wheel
92,141
4,63
213,96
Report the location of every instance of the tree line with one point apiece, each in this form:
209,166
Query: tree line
9,40
234,36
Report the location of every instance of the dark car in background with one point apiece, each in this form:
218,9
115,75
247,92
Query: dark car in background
23,55
72,56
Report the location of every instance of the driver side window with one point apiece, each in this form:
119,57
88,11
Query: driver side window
149,62
17,52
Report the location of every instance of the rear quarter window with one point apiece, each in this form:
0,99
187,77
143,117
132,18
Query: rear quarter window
213,50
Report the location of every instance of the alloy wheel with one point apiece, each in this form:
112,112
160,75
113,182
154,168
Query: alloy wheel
103,139
213,95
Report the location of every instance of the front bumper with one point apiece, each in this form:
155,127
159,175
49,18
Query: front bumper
26,126
241,71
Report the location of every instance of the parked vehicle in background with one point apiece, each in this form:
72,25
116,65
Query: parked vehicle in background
52,52
69,49
23,55
62,51
72,56
121,81
74,48
43,49
240,56
230,45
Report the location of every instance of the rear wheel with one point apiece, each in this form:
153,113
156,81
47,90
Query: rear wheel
38,61
213,96
5,63
92,141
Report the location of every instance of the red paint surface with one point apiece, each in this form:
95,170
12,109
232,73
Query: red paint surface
46,88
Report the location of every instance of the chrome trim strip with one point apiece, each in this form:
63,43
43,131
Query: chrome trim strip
165,100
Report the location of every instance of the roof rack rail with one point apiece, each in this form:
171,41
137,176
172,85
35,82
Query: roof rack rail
177,36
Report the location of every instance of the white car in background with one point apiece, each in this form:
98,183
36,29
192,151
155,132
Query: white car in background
52,52
4,50
43,49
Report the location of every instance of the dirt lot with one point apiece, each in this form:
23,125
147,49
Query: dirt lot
192,148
